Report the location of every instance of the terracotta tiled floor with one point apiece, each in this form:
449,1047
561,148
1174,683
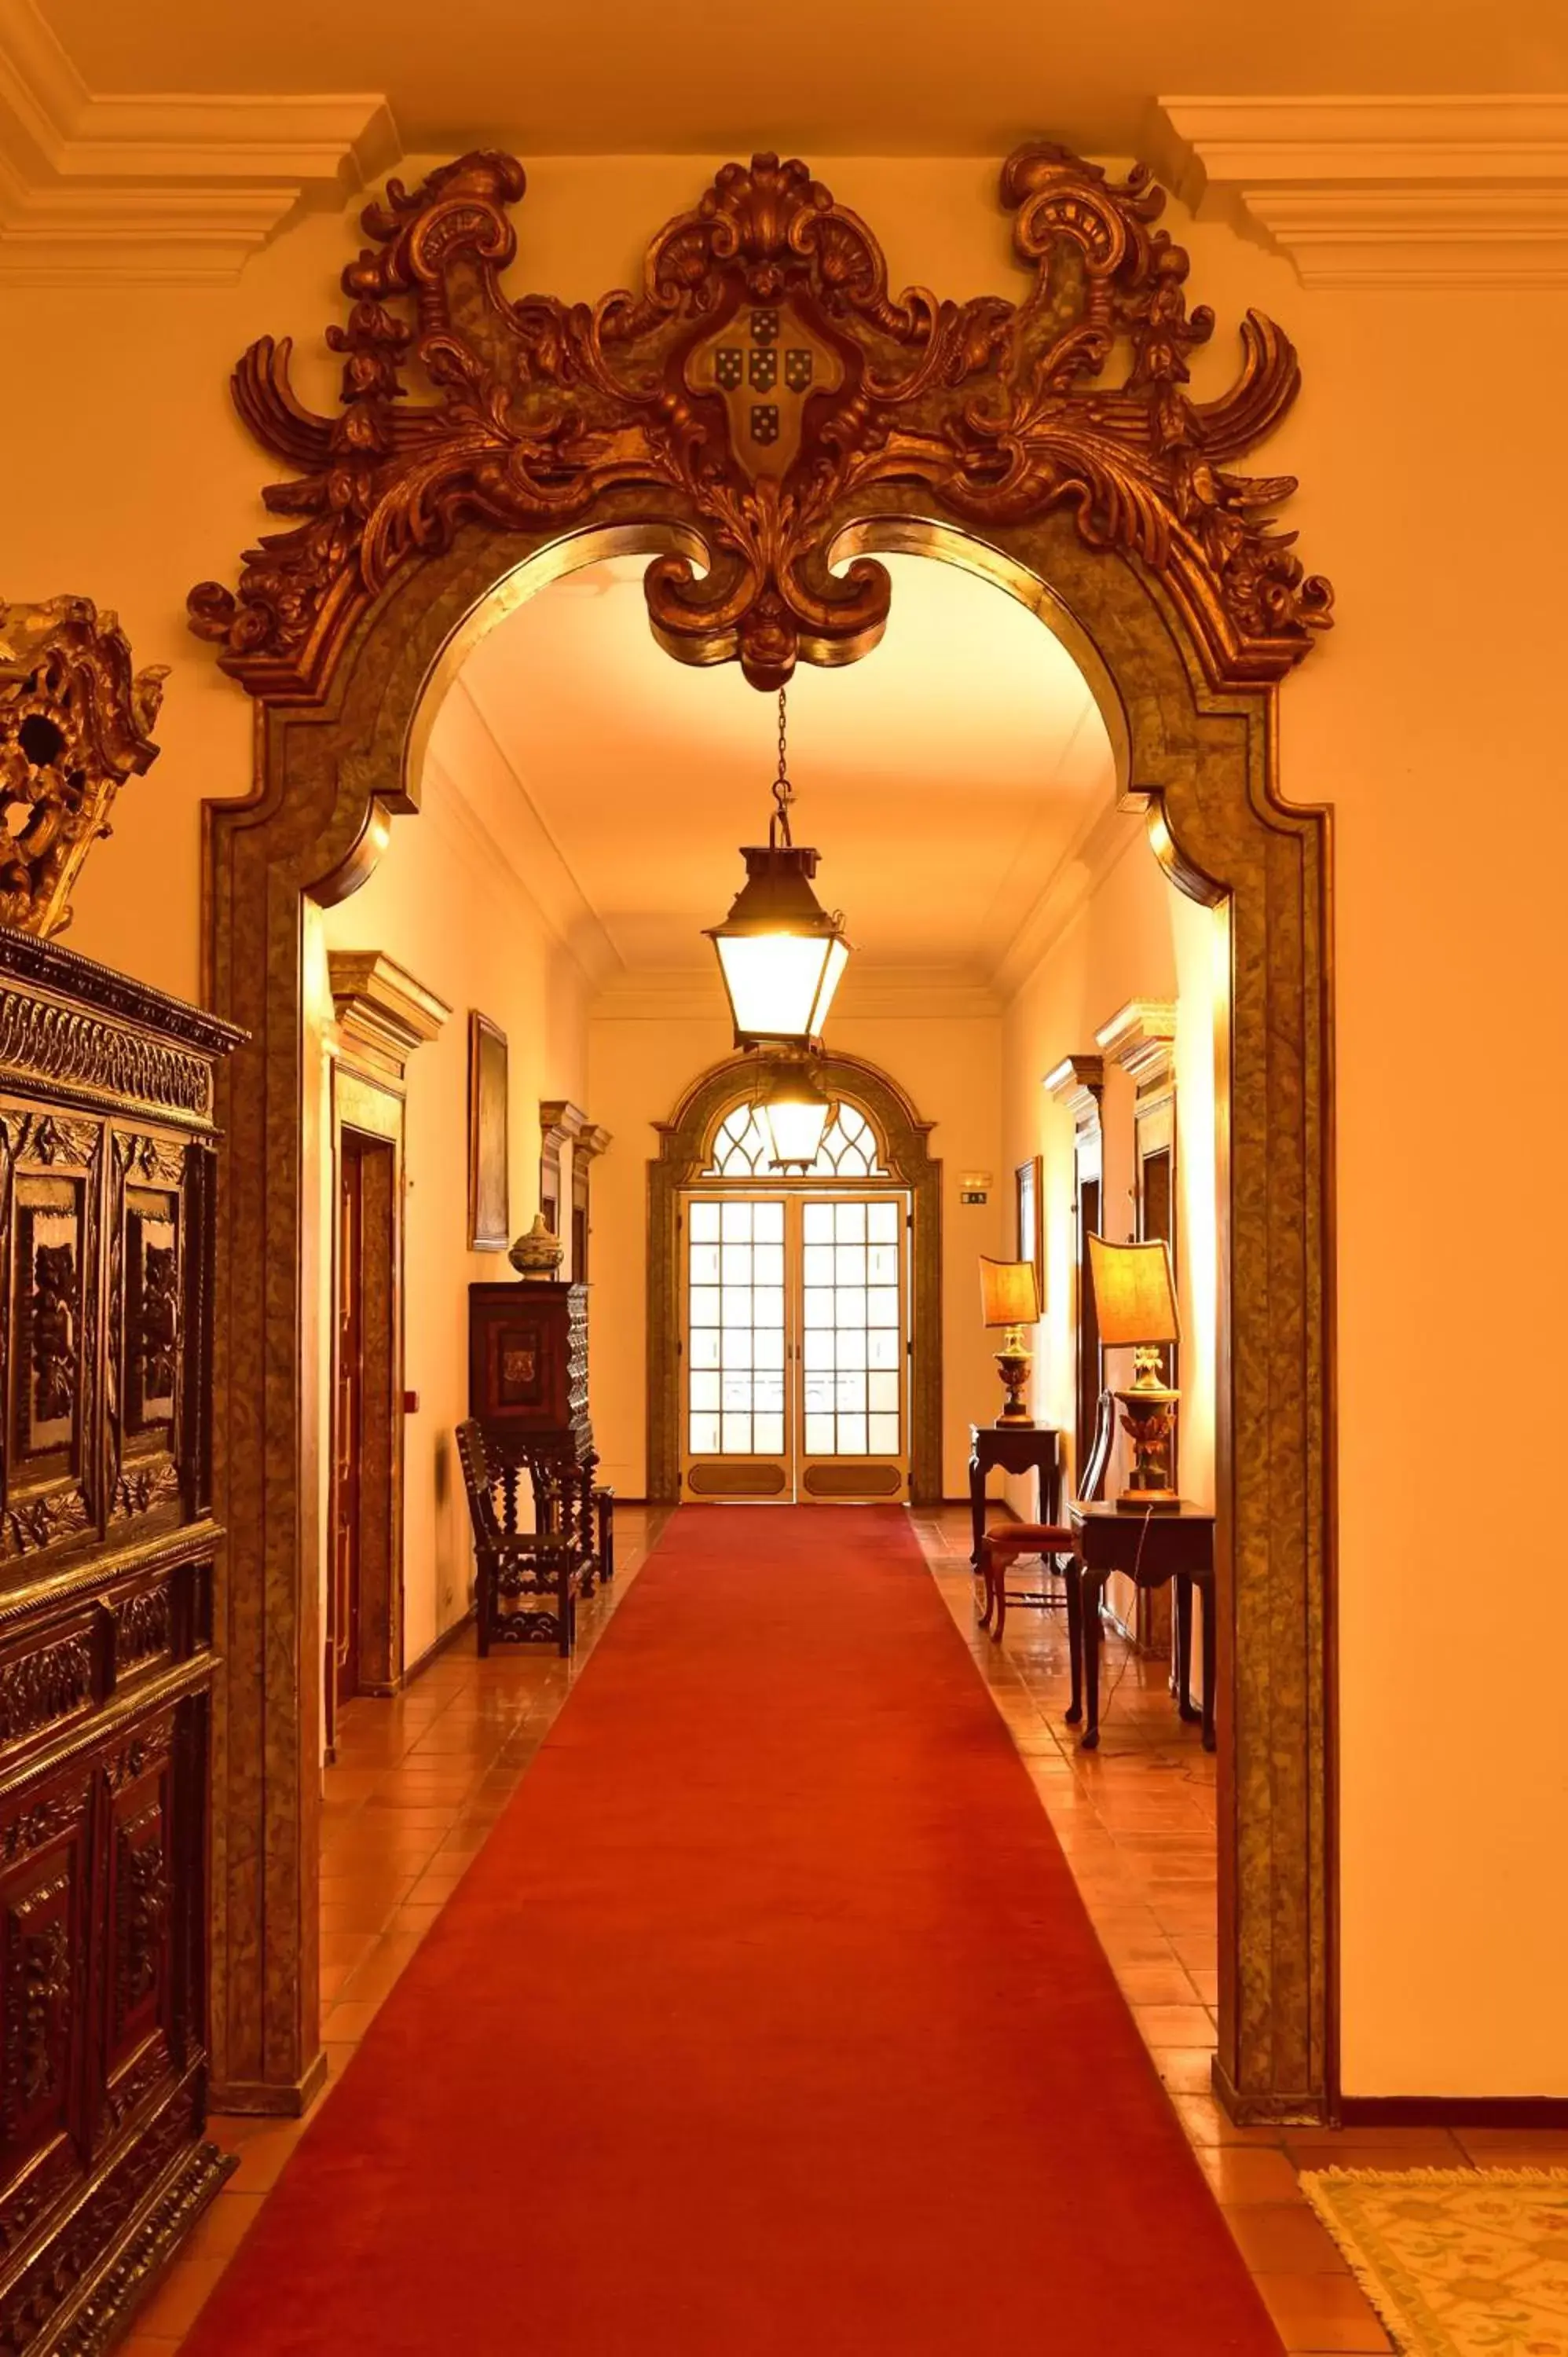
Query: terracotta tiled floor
420,1781
1136,1820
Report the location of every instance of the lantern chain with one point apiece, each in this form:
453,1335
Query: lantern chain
783,792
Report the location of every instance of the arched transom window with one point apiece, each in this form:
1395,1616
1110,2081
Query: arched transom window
742,1150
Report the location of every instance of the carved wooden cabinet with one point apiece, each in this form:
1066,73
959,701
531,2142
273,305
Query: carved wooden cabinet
107,1552
528,1360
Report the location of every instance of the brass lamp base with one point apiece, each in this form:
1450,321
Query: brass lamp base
1149,1422
1012,1364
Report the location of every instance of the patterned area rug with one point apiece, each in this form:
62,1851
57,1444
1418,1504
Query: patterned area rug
1458,2262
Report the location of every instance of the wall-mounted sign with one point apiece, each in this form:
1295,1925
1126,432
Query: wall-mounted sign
973,1186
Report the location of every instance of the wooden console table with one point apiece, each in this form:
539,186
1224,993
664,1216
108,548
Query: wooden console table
1148,1549
1016,1449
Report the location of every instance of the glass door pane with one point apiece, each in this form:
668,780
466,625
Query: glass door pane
853,1373
736,1438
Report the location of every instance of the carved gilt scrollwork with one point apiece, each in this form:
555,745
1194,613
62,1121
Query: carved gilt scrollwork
60,1046
74,725
765,377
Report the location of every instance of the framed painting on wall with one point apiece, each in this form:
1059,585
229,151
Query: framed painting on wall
1028,1183
489,1184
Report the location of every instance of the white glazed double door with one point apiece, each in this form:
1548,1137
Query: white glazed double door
794,1346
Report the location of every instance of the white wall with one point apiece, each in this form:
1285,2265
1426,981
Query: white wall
445,905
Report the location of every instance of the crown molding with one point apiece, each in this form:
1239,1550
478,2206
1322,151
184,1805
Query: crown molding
1078,1083
1364,192
529,855
169,188
1141,1037
382,1009
1102,844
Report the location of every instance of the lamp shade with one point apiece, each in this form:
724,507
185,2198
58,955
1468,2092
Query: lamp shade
1008,1294
795,1113
1134,1293
779,951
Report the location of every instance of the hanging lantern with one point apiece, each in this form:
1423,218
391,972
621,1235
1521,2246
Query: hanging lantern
779,951
795,1113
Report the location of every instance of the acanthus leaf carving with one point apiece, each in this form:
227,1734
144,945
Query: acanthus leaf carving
143,1626
763,378
37,1988
142,1911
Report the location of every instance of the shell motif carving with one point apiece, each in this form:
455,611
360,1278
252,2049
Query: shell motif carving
762,380
74,725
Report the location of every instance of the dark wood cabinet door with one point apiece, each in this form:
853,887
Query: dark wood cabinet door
46,1907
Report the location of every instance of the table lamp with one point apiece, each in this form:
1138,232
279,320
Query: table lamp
1010,1298
1134,1300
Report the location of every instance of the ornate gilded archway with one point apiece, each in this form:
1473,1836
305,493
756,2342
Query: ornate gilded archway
761,411
685,1141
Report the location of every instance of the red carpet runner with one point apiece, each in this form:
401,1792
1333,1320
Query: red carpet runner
768,2024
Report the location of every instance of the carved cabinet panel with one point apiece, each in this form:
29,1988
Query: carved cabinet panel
50,1169
528,1358
107,1554
44,1898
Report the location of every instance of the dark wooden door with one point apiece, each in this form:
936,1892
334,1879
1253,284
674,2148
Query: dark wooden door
1088,1403
347,1427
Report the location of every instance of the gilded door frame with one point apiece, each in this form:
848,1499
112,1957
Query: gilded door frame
1121,521
685,1144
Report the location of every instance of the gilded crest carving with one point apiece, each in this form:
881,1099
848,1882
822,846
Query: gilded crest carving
75,723
764,377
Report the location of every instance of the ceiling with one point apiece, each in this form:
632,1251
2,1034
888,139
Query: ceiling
946,777
882,78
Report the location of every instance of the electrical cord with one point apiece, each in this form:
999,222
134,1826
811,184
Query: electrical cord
1129,1650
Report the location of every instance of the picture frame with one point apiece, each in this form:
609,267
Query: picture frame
489,1170
1029,1193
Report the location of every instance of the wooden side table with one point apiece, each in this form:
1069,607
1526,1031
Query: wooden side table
1148,1549
1016,1449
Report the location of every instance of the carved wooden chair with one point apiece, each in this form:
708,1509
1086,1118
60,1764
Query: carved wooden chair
1006,1541
604,1532
514,1565
567,1499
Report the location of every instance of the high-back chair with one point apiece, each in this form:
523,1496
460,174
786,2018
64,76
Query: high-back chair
512,1564
1006,1541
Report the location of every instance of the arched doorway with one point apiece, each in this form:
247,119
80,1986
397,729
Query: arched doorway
977,433
707,1154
